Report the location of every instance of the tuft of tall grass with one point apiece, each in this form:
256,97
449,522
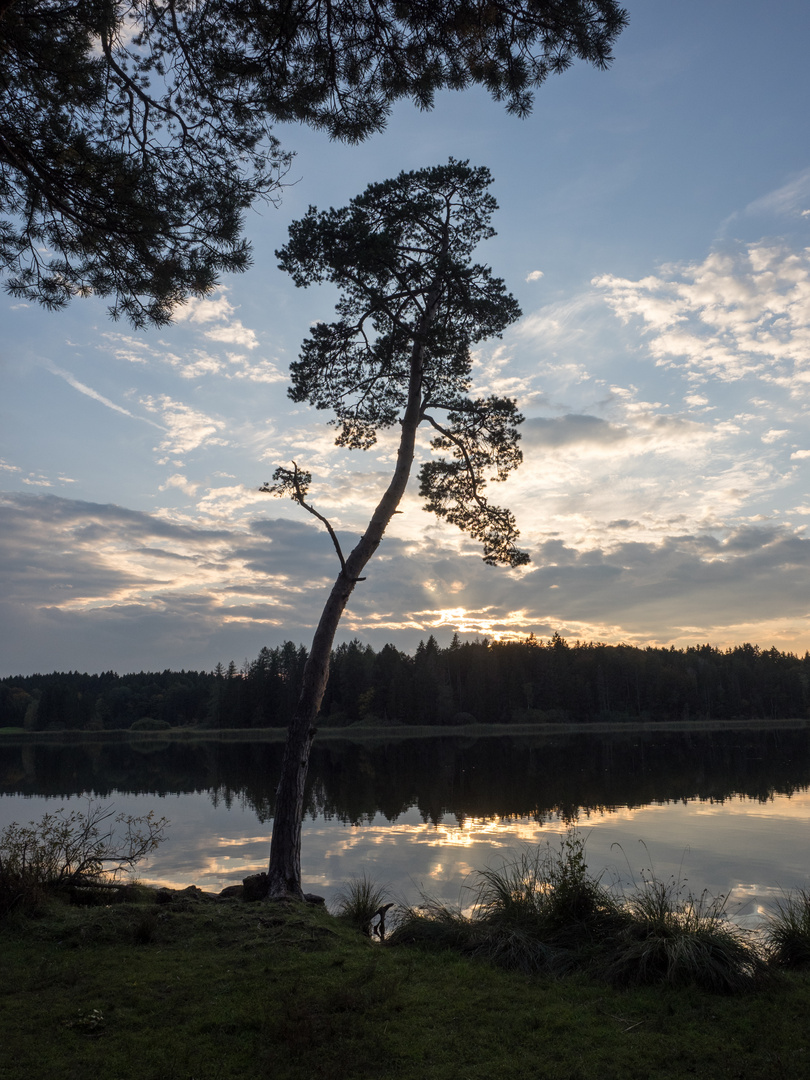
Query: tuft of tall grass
548,892
675,938
544,912
541,911
360,901
787,931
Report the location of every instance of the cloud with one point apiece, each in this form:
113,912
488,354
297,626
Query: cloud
774,435
234,333
96,396
738,314
94,585
218,309
187,429
177,480
785,200
208,309
262,371
565,324
535,275
572,430
643,430
213,319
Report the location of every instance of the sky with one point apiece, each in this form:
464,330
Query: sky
654,224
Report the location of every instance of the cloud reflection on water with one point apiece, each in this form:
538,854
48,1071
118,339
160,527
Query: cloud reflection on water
747,849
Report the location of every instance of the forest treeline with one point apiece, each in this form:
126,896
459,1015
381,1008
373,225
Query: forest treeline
531,681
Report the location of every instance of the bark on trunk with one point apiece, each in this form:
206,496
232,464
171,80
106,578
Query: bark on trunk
284,872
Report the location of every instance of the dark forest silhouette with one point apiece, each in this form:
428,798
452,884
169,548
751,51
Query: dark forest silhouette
483,682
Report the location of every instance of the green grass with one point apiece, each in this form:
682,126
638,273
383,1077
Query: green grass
214,991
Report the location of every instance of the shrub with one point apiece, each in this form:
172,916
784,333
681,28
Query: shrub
67,850
147,723
787,931
541,911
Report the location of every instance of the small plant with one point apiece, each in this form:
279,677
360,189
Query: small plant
88,1023
66,850
787,931
143,931
436,926
360,902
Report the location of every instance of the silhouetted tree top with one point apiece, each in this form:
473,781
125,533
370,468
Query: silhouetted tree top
412,302
134,134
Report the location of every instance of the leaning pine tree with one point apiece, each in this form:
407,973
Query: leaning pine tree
412,302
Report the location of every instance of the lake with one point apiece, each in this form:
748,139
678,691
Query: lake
723,810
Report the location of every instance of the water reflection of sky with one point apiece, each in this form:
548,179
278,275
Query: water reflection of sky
749,849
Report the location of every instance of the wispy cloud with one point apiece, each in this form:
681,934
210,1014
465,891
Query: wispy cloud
88,391
790,198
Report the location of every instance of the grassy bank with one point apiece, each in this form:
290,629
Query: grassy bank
389,732
205,990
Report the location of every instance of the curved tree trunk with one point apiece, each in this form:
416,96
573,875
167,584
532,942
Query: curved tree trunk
284,873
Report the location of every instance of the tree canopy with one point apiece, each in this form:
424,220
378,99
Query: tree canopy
134,134
412,303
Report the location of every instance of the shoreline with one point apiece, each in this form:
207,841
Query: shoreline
393,732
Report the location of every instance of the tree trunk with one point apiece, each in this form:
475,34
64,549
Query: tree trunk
284,873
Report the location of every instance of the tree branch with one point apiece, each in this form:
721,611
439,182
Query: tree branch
295,484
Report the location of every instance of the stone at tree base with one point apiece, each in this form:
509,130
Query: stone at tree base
255,887
231,892
191,893
313,898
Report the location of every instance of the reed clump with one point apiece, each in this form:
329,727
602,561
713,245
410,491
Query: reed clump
787,931
544,912
675,938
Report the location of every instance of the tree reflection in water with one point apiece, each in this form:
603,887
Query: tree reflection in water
726,809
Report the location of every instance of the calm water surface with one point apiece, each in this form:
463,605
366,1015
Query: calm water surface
726,811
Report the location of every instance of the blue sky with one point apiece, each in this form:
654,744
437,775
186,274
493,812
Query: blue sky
654,223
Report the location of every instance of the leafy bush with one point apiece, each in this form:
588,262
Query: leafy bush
787,931
65,850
